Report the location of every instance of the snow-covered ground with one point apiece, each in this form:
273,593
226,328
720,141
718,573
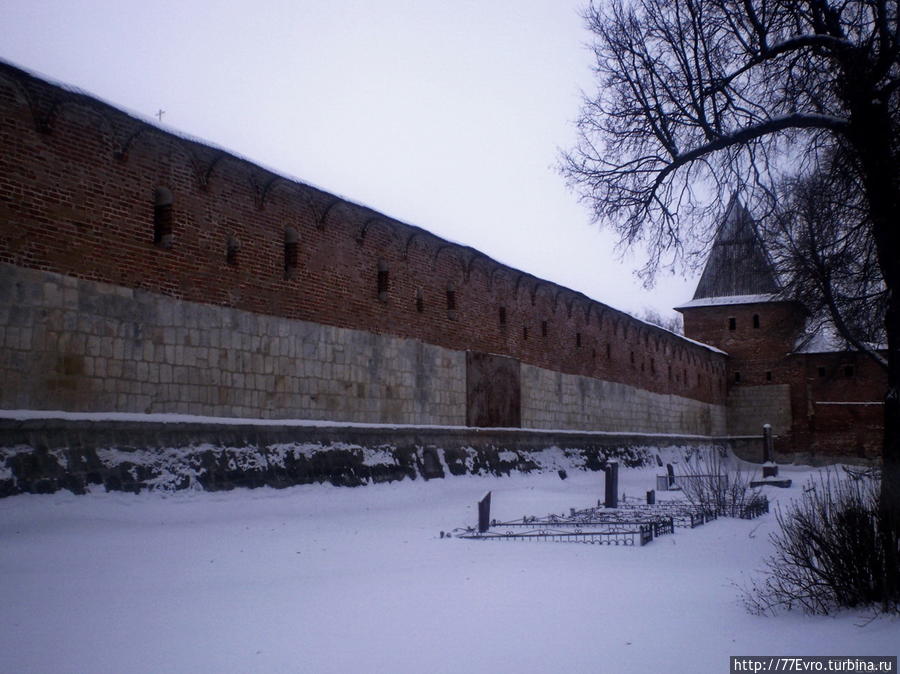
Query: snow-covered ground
328,579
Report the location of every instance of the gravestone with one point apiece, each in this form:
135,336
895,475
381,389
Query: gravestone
612,484
484,513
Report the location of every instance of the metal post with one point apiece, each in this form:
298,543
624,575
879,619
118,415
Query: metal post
767,443
769,467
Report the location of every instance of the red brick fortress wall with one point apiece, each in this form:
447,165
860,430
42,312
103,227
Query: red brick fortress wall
838,405
90,192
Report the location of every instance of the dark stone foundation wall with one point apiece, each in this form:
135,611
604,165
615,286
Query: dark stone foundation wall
48,455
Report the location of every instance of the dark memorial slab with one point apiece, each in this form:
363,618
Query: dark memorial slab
484,513
784,484
612,484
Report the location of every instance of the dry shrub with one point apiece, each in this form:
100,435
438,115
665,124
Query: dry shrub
828,553
706,481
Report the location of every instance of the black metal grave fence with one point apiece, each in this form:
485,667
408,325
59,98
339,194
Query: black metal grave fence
629,524
635,535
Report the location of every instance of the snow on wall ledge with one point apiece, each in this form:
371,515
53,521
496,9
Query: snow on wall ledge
44,455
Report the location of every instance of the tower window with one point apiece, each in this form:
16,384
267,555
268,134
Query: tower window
737,377
768,375
543,328
848,370
821,371
451,299
608,351
578,339
524,333
162,217
732,323
502,315
756,321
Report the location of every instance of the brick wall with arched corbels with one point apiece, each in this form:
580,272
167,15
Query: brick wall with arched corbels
89,191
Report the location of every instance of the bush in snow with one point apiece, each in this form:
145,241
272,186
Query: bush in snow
706,481
827,550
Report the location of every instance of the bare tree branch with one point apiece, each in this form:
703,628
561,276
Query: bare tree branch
697,99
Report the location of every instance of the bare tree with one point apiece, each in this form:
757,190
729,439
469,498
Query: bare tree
671,323
819,240
710,480
698,97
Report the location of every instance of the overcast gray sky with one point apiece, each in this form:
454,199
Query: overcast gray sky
445,114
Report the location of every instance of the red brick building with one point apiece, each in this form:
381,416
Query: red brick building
820,398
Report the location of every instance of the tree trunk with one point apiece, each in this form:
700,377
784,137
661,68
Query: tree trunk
890,469
884,208
872,135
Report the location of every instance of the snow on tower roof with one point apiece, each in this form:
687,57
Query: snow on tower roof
731,299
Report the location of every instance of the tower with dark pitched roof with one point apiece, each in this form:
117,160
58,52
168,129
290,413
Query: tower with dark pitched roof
738,308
